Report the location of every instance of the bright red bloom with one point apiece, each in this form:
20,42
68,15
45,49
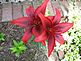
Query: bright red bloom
53,30
32,23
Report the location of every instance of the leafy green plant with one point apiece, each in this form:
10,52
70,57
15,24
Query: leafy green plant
2,37
18,48
72,46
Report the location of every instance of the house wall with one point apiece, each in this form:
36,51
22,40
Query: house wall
7,1
10,11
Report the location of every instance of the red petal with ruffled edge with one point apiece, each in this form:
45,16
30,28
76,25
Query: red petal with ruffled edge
41,37
23,21
57,17
30,11
51,44
59,39
42,8
27,35
46,22
63,27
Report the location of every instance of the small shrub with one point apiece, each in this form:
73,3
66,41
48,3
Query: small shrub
18,48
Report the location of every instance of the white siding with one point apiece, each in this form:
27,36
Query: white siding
4,1
6,12
17,11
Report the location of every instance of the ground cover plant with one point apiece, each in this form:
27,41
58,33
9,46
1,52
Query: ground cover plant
72,46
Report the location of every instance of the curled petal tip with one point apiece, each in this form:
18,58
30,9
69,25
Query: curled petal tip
43,43
57,18
42,7
72,23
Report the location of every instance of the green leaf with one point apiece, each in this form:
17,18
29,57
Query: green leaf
2,37
13,50
17,54
15,43
39,45
31,39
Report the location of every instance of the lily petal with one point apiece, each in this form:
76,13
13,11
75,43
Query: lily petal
59,39
51,17
27,35
23,21
30,11
46,22
51,44
42,7
41,38
63,27
57,17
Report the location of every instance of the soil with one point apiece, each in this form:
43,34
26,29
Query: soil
14,32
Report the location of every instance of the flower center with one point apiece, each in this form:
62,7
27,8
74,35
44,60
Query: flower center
36,23
50,30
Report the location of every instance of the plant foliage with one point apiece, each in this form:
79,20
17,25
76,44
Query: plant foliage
18,48
2,37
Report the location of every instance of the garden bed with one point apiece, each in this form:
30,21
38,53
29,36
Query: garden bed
12,32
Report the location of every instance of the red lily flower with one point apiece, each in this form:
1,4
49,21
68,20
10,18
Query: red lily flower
32,23
53,30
